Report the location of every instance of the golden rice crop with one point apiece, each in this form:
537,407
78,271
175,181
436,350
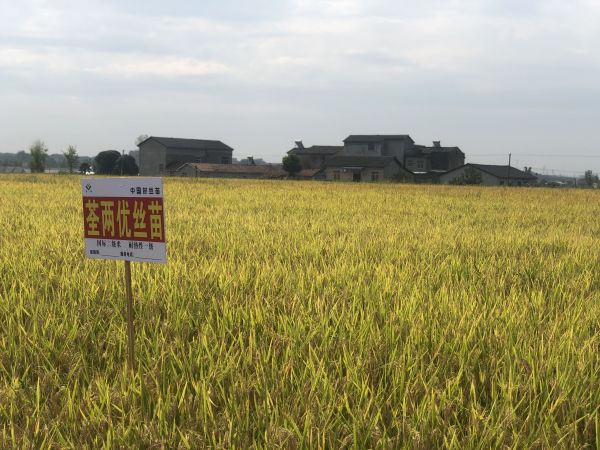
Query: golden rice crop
306,315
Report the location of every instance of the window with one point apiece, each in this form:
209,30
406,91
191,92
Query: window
374,176
225,160
371,146
336,175
161,168
420,164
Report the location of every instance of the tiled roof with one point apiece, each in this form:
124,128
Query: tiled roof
308,173
317,150
418,150
264,169
503,171
197,144
376,137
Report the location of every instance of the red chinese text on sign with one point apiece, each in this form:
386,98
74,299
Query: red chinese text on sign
124,218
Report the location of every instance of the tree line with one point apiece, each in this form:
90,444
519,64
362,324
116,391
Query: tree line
108,162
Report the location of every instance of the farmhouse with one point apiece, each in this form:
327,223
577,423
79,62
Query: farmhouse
314,157
365,168
418,162
161,155
421,158
489,175
208,170
378,145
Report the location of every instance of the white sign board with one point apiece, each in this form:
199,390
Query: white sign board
124,218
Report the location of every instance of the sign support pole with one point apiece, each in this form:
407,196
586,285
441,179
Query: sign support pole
130,317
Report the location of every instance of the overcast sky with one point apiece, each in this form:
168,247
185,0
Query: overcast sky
491,76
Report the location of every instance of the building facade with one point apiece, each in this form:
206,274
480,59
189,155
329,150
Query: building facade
488,175
377,145
158,155
208,170
314,157
365,168
421,158
420,163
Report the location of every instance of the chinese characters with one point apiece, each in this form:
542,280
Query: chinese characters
141,219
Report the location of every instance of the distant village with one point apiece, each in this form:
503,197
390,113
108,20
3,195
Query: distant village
371,158
359,158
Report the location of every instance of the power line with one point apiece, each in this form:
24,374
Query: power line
540,170
537,155
557,172
553,171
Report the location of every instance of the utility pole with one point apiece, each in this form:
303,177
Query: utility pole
508,171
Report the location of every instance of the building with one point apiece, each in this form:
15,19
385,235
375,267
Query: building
310,174
377,145
314,157
420,163
421,158
489,175
365,168
160,155
208,170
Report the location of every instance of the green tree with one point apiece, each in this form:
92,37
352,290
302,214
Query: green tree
104,162
84,168
39,154
126,165
141,138
590,178
71,156
292,164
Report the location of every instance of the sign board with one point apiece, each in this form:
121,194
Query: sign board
124,218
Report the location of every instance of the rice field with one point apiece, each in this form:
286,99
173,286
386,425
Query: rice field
306,315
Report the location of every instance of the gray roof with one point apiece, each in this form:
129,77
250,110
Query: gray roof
360,161
263,169
377,137
502,171
423,149
198,144
317,150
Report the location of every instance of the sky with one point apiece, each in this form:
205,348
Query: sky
490,76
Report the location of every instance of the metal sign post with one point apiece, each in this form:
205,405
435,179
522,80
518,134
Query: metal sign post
124,220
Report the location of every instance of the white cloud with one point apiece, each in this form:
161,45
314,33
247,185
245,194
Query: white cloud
406,60
315,43
171,67
129,65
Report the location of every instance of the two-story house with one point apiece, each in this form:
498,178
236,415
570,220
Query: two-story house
376,157
314,157
377,145
159,155
421,158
